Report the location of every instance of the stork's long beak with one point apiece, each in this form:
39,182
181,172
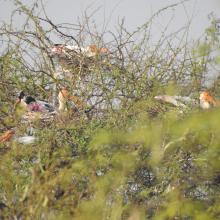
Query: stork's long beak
6,136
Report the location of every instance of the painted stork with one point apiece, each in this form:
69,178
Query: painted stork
64,97
10,135
31,104
89,51
206,101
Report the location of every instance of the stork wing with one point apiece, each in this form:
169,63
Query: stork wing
46,106
170,99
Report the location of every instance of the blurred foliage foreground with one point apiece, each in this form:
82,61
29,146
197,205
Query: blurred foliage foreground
161,168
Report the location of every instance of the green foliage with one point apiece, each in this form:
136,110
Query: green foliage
132,161
170,165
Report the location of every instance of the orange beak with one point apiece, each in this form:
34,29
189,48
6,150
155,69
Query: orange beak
6,136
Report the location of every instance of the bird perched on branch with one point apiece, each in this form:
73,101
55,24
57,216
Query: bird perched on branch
45,109
177,101
89,51
73,57
76,63
7,136
206,101
10,135
31,104
34,109
64,97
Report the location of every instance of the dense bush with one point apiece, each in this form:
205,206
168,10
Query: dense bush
127,156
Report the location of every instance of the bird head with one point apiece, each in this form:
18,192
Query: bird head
23,100
63,97
203,95
21,95
206,97
63,94
93,48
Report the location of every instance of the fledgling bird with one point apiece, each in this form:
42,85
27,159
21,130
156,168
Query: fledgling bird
89,51
206,101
